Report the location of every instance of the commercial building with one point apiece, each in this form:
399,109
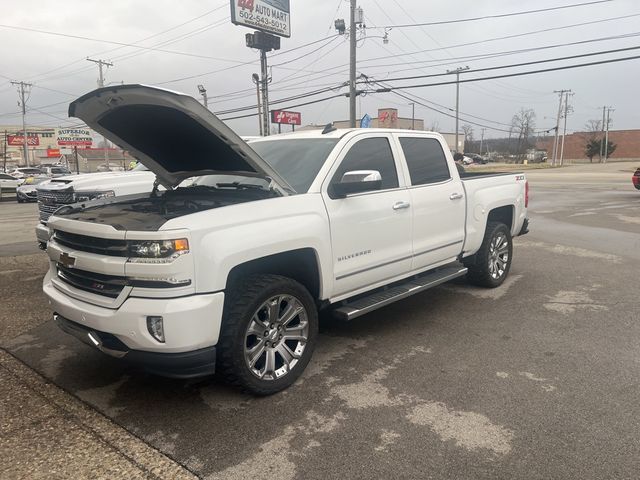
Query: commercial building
389,118
627,146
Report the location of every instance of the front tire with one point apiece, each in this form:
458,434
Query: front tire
490,266
268,334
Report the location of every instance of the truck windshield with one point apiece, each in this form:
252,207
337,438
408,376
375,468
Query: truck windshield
297,160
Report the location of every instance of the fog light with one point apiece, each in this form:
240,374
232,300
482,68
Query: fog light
156,328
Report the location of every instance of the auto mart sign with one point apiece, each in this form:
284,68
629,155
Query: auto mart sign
74,137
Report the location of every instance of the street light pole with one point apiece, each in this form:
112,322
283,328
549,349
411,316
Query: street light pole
256,79
457,72
205,98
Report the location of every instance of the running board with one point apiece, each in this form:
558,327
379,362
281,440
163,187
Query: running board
361,306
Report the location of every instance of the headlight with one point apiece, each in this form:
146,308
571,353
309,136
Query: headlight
86,196
145,251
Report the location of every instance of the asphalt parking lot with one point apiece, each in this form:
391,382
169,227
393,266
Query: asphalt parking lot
537,379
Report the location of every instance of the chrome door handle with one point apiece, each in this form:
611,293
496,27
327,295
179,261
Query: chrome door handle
401,205
456,196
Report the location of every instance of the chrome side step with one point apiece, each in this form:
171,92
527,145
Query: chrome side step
363,305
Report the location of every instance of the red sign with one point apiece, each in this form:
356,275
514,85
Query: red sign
18,140
286,118
53,152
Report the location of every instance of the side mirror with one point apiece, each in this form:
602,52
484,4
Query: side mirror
358,181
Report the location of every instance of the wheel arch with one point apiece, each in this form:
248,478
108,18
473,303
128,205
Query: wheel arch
504,214
301,265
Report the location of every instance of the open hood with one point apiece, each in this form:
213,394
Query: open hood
172,134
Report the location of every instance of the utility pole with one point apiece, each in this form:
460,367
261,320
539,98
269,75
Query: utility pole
457,72
102,63
556,142
24,89
256,79
604,116
352,63
413,115
482,139
564,132
606,135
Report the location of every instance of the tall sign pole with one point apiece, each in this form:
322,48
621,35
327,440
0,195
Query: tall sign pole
272,20
264,70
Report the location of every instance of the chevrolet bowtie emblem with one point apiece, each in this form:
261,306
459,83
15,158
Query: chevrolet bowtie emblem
67,260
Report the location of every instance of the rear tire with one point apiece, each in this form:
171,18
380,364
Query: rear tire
269,330
490,266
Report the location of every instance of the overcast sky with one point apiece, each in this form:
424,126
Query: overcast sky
57,67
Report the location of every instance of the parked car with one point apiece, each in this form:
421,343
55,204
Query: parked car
27,191
23,172
229,273
8,181
56,171
636,179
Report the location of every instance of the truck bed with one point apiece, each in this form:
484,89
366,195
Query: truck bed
474,175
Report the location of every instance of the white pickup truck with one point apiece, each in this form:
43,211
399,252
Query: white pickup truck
61,191
229,274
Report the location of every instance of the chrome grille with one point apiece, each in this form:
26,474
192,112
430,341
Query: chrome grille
84,243
50,201
98,283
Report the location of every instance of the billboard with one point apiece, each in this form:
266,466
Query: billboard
271,16
18,140
286,118
74,137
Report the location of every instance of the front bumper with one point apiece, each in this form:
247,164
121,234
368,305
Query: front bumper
26,198
174,365
190,323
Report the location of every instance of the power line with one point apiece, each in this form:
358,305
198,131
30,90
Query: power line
519,74
515,65
501,15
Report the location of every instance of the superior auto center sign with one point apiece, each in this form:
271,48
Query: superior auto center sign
271,16
74,137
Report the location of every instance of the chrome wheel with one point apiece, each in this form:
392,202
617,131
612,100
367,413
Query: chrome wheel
498,256
276,337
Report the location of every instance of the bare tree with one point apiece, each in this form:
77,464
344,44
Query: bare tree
523,124
468,132
435,126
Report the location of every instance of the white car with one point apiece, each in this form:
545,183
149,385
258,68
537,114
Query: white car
65,190
229,273
8,181
24,172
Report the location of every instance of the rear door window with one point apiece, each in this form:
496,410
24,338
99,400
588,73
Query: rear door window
426,160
